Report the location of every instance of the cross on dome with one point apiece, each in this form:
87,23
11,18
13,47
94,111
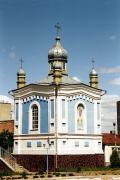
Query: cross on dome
21,62
93,63
58,28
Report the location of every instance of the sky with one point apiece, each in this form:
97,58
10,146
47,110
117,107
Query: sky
89,29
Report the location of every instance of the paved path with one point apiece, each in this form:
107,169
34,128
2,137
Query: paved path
104,177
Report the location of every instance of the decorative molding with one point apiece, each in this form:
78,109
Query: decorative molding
34,97
80,97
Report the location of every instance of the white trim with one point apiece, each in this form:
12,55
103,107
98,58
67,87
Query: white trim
20,117
30,118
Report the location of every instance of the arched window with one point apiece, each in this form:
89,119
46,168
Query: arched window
80,116
34,109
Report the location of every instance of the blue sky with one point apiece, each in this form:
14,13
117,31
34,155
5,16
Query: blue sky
90,28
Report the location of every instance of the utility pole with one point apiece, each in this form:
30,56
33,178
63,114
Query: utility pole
57,78
114,125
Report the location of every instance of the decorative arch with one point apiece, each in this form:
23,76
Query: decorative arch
34,116
80,117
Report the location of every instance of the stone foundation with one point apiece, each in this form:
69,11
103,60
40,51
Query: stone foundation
35,163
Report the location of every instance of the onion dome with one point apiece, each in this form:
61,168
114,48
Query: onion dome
21,71
57,52
93,77
93,72
21,76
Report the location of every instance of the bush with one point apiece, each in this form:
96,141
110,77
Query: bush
63,175
114,159
42,176
50,175
71,174
78,169
35,176
24,175
57,174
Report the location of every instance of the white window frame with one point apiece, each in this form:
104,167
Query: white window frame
30,117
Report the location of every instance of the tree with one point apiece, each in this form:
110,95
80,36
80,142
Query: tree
6,139
114,159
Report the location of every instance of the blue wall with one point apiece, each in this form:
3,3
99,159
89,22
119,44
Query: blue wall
89,113
43,116
25,120
90,117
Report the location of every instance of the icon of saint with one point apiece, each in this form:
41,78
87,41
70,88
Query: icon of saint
80,118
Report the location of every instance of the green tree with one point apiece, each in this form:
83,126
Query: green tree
6,139
114,159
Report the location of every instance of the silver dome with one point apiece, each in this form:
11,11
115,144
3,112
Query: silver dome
57,52
93,72
21,71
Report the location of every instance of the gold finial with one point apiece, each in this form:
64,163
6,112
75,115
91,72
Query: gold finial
58,28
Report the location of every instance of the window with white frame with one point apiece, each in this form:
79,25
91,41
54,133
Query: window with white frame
29,144
76,143
86,144
39,144
34,117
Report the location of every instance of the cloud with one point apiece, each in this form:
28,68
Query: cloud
115,81
12,48
76,78
109,111
105,70
12,55
113,37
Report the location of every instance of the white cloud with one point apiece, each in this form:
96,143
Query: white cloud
109,111
105,70
113,37
115,81
76,78
12,55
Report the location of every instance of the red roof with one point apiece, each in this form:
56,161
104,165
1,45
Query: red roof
111,139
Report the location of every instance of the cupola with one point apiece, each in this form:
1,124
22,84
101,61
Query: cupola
57,54
21,76
93,77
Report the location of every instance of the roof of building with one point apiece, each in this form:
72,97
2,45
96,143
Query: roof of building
111,139
65,80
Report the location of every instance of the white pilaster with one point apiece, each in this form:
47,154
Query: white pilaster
20,116
95,117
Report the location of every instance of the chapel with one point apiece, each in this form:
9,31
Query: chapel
58,116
